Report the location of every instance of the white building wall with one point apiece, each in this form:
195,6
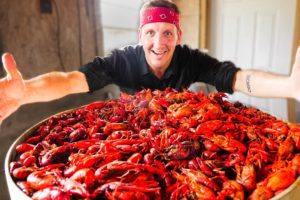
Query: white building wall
120,20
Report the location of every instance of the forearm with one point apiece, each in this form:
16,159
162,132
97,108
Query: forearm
263,84
53,86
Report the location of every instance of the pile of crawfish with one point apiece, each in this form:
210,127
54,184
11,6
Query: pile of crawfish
159,145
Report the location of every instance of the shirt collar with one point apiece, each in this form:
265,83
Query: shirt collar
144,66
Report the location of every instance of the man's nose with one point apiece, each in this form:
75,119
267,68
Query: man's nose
159,39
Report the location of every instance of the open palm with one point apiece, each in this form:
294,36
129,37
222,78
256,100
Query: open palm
12,88
295,76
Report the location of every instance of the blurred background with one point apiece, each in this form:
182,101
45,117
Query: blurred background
48,35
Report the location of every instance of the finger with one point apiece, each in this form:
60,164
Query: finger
10,66
297,57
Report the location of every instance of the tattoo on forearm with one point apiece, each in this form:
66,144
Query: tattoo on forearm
248,83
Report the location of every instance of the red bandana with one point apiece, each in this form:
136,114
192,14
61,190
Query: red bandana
159,14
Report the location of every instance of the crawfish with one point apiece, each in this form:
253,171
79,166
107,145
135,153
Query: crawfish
295,134
84,144
124,195
198,164
208,111
57,155
78,134
127,145
135,158
95,105
75,188
210,146
228,143
114,168
122,135
42,179
155,106
234,159
14,165
24,147
257,153
249,130
231,189
177,164
180,110
280,179
208,128
246,176
198,177
118,168
148,187
286,149
86,176
181,150
295,163
50,193
158,121
261,193
192,184
111,127
174,96
278,130
25,187
23,172
271,144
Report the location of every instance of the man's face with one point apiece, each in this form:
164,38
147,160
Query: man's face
159,41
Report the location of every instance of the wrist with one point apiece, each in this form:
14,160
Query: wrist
293,88
26,93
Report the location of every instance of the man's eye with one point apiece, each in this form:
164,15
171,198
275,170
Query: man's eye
168,33
150,33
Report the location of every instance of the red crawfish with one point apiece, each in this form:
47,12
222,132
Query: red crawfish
132,190
228,143
42,179
190,185
57,155
231,189
50,193
246,176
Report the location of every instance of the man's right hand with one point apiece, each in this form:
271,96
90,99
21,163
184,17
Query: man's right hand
12,88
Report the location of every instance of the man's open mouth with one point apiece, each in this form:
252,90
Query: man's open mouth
158,53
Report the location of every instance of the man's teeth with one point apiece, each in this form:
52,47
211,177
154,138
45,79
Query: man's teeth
159,53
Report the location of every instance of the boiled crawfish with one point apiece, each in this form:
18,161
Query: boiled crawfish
159,145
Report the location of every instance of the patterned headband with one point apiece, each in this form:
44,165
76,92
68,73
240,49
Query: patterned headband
159,14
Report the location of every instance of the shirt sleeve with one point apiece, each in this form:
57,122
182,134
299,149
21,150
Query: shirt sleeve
214,72
225,75
119,67
97,73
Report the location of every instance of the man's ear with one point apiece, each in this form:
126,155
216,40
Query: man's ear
179,32
140,34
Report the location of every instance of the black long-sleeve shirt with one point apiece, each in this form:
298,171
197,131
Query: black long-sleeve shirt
127,67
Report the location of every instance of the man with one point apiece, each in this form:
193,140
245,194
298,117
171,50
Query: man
157,63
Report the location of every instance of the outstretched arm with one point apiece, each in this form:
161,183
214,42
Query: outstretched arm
15,91
264,84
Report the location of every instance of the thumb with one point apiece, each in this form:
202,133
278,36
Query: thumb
297,58
10,66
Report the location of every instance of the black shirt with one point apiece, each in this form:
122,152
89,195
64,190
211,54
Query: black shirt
127,67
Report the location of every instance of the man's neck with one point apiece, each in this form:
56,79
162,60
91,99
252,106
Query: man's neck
158,73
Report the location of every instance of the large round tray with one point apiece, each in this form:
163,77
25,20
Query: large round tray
291,193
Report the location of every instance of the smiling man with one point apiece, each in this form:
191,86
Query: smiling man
159,36
158,62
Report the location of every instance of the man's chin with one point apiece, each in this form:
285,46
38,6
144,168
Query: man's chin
156,66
